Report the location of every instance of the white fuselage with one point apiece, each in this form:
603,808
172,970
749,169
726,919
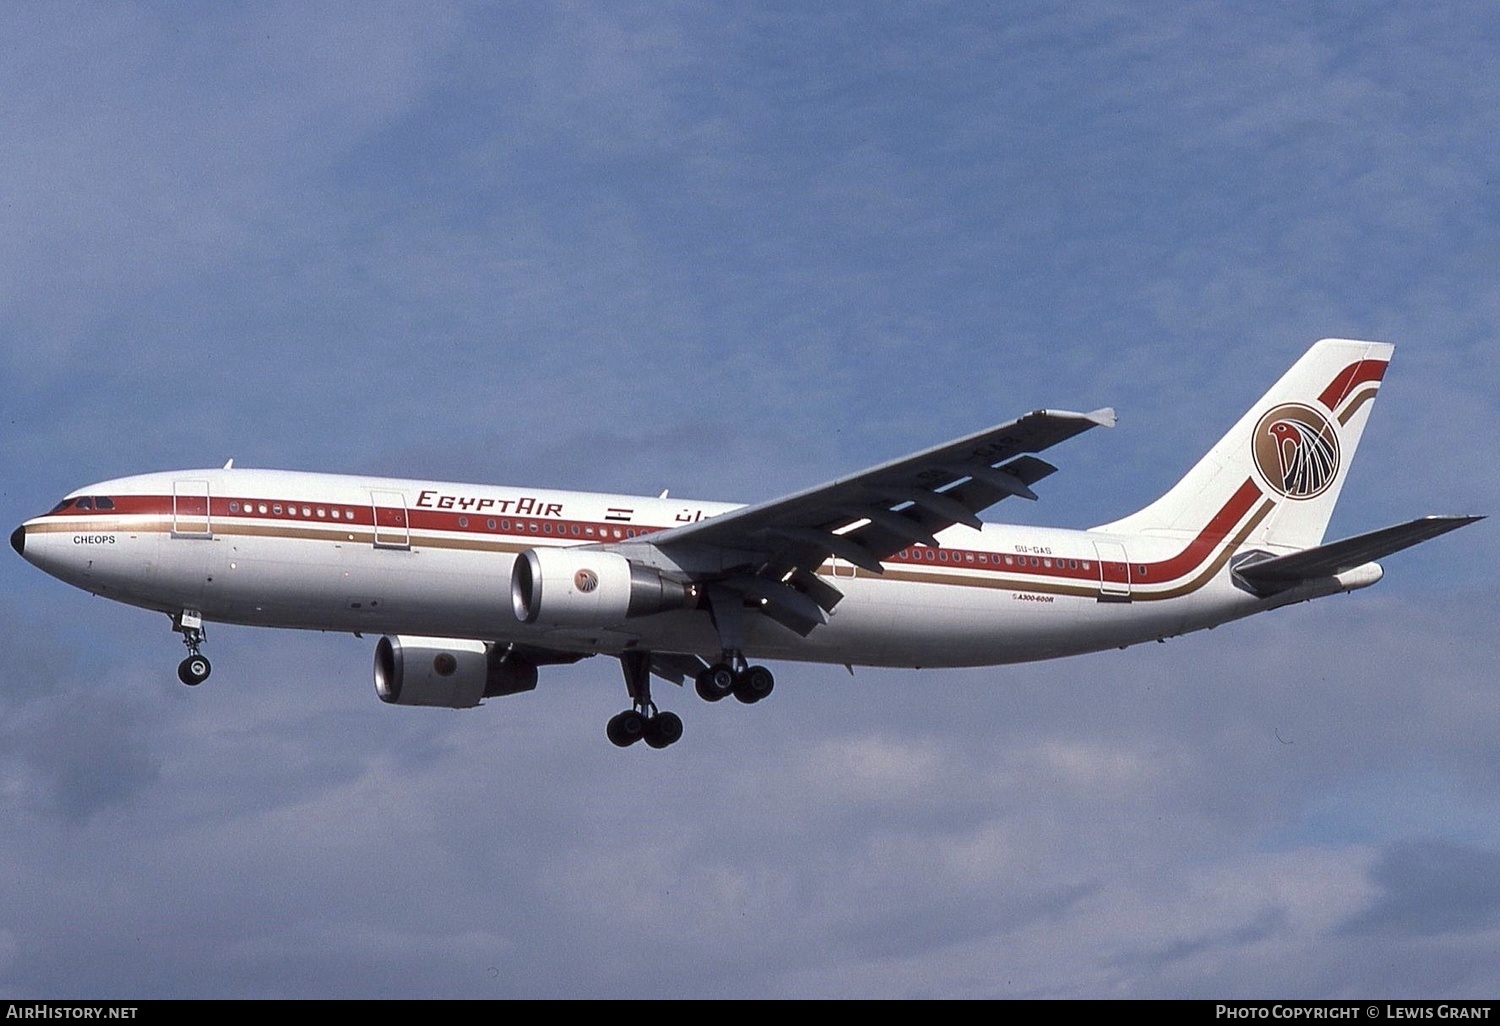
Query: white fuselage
386,556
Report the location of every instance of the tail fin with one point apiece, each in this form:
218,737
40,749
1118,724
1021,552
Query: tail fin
1283,465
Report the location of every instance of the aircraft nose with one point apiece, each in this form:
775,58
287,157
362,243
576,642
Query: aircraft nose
18,540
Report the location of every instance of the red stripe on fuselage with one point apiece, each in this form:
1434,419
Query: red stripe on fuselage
322,513
1191,558
1200,548
1347,379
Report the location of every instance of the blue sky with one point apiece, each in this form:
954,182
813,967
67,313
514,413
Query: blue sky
735,250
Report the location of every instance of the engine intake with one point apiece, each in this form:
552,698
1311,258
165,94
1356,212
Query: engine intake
451,673
590,588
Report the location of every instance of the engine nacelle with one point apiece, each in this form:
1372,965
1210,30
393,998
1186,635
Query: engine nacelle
452,673
589,588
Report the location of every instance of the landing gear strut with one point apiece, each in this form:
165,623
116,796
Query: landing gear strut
642,720
193,670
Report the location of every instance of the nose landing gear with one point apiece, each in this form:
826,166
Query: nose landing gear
193,670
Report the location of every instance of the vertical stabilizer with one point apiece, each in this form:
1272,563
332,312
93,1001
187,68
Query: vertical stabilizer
1283,465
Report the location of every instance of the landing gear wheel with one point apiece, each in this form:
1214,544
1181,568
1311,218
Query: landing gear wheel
715,683
626,728
194,670
753,684
663,729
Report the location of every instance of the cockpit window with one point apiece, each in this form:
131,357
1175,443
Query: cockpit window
84,502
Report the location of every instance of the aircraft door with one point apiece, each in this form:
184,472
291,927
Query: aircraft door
1114,572
392,529
190,518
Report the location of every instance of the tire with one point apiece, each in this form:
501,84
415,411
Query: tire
663,729
626,728
715,683
194,670
754,684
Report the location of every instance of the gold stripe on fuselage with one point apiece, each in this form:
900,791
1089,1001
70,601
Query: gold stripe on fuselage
511,545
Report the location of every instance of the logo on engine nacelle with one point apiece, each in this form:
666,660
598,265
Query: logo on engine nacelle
585,581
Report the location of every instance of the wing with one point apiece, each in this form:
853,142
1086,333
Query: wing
768,552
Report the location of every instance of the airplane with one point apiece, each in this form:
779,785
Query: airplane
472,588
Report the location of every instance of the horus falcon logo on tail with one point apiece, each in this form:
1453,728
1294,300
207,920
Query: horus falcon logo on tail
1296,450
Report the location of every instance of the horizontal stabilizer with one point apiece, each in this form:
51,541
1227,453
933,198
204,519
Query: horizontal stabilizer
1345,554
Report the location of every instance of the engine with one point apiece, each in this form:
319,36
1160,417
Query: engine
589,588
448,672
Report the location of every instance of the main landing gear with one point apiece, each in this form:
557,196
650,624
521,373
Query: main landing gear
732,676
642,720
193,670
